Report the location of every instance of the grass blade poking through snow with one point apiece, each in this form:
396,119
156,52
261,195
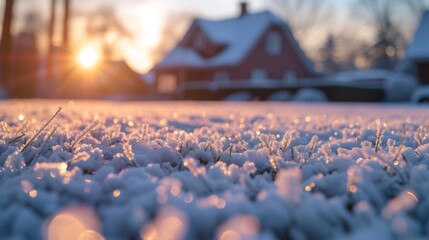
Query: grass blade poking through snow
128,151
398,171
312,143
82,134
43,146
287,139
418,136
40,130
380,132
5,127
224,150
19,134
274,164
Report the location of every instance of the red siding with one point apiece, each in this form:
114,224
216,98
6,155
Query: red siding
423,72
275,66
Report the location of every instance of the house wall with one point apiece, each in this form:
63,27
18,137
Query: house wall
423,72
275,66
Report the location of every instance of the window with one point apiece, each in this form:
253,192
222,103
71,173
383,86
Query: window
167,83
221,76
259,76
289,77
273,43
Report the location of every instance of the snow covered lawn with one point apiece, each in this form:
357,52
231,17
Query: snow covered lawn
103,170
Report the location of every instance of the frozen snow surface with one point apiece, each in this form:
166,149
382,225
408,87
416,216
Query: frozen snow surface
102,170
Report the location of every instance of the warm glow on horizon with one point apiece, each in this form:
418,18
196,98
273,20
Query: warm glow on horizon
88,57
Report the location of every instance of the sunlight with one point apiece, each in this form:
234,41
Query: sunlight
88,57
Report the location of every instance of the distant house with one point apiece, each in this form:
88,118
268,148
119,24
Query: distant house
118,80
253,49
417,52
109,80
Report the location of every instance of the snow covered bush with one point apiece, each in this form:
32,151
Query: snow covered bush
99,170
310,95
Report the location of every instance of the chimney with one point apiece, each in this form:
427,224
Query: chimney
243,8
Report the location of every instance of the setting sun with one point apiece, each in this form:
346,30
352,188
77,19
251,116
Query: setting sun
88,57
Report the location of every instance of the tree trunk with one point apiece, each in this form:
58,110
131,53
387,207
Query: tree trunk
50,78
6,45
66,24
52,25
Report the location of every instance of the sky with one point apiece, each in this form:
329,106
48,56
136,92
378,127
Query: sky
146,19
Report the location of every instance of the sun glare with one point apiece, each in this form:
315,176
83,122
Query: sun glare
88,57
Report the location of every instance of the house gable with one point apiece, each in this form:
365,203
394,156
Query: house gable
199,41
287,62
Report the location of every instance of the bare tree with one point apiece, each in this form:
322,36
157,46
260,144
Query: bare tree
306,18
171,33
25,57
105,27
51,25
51,32
389,40
6,43
66,23
350,54
329,56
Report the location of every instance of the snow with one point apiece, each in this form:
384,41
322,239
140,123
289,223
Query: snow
421,94
239,35
187,170
310,95
418,49
280,96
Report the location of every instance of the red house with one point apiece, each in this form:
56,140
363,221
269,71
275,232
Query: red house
251,50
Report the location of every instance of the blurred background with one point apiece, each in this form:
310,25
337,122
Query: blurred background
109,49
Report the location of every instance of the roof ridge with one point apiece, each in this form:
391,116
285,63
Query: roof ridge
250,14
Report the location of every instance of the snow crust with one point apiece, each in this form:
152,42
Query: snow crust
213,171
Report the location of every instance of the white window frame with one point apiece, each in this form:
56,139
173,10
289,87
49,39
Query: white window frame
259,76
289,77
221,76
